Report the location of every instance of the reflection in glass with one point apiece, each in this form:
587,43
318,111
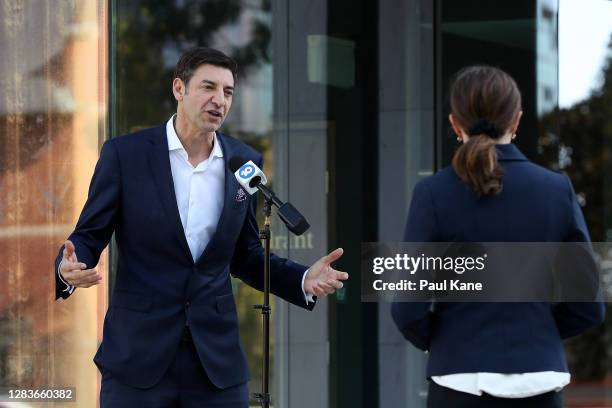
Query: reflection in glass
52,117
547,56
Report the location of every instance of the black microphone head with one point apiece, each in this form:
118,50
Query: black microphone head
255,181
236,162
293,219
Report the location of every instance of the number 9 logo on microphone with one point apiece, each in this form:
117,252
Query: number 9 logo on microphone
246,171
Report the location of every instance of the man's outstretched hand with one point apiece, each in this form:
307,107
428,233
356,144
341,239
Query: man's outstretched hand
74,272
322,279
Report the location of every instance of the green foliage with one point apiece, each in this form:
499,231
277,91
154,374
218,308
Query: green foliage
151,34
587,128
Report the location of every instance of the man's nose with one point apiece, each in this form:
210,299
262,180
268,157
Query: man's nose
217,98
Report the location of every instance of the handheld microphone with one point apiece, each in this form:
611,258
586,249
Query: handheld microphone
252,179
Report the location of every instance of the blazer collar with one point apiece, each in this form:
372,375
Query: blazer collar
174,143
159,161
509,152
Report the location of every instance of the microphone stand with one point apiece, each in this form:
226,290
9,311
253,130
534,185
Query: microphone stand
297,224
264,397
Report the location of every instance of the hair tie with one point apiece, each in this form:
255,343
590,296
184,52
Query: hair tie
483,126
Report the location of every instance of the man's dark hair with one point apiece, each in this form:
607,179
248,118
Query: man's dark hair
193,58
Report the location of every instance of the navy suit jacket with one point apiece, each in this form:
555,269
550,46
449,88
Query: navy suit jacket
158,285
535,205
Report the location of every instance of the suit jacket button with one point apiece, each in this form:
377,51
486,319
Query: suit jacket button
195,269
187,304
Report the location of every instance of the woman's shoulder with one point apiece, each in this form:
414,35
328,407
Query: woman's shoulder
441,179
538,178
524,176
544,172
521,169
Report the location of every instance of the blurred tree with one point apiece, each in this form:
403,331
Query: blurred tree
151,34
584,150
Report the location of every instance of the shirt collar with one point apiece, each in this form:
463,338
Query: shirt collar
174,143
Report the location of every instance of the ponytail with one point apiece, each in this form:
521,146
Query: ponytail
485,102
475,162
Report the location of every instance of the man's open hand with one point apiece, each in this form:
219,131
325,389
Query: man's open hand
322,279
74,272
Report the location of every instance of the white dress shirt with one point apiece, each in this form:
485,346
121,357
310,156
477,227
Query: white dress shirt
505,385
199,191
199,195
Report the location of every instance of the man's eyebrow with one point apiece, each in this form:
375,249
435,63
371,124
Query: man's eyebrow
208,81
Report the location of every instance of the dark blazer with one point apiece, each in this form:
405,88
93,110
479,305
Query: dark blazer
158,285
535,205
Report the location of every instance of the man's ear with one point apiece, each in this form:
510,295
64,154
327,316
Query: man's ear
178,89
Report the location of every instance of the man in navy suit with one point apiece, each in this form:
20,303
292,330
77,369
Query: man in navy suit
182,225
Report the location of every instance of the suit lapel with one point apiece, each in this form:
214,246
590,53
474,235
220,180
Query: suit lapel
231,187
159,161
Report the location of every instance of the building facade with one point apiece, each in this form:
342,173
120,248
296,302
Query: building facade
348,102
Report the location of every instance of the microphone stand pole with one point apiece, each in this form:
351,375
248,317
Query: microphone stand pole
264,234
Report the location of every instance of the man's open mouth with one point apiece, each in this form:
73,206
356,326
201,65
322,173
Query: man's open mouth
216,114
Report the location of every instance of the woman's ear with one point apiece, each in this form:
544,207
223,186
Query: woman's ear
456,128
517,120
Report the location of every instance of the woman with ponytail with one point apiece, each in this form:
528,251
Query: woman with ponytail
486,110
493,354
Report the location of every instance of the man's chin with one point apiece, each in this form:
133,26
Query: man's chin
210,127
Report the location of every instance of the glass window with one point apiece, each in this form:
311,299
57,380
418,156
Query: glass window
52,122
406,155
